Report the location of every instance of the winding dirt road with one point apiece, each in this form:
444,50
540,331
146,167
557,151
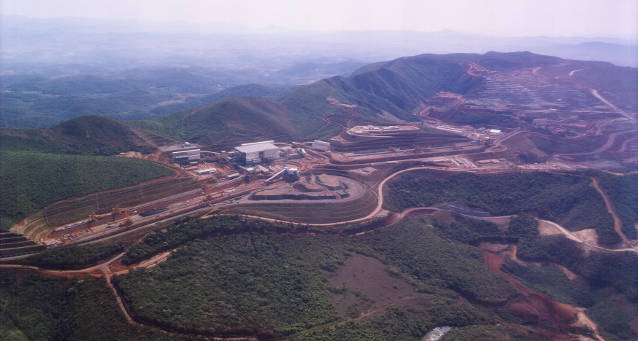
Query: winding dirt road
104,269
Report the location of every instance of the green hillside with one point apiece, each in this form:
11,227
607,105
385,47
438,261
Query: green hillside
385,92
623,193
283,285
569,200
382,93
35,307
96,135
226,123
31,180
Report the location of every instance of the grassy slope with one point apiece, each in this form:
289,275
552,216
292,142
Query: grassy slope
30,180
569,200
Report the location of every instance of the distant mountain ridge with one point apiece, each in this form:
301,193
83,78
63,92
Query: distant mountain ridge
388,92
385,93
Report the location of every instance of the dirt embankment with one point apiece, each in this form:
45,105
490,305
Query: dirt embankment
37,225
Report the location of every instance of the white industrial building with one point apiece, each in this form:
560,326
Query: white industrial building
258,152
206,171
321,145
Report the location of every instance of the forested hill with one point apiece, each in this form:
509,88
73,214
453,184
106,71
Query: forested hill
386,92
379,93
95,135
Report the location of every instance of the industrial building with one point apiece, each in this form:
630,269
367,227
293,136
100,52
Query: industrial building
258,152
321,145
184,157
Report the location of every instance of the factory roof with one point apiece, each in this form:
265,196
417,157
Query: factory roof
256,147
179,147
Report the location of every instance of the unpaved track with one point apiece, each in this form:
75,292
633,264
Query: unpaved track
611,139
572,72
103,269
369,216
572,236
610,209
568,234
611,105
92,270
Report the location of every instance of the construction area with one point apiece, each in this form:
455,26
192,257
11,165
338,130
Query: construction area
270,178
310,187
324,181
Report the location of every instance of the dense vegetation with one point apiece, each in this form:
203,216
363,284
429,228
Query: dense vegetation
522,227
95,135
567,199
226,123
435,262
412,322
261,282
30,181
586,290
623,193
468,231
551,280
236,277
613,315
251,284
189,229
600,269
33,307
600,273
74,257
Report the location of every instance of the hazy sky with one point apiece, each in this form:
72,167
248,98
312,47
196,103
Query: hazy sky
495,17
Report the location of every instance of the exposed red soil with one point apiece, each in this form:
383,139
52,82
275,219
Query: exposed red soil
537,308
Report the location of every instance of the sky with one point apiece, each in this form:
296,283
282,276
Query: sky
588,18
